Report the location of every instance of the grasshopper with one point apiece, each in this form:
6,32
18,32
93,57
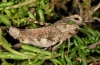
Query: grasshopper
46,36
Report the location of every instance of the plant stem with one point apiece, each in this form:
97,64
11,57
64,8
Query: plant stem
20,4
10,49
